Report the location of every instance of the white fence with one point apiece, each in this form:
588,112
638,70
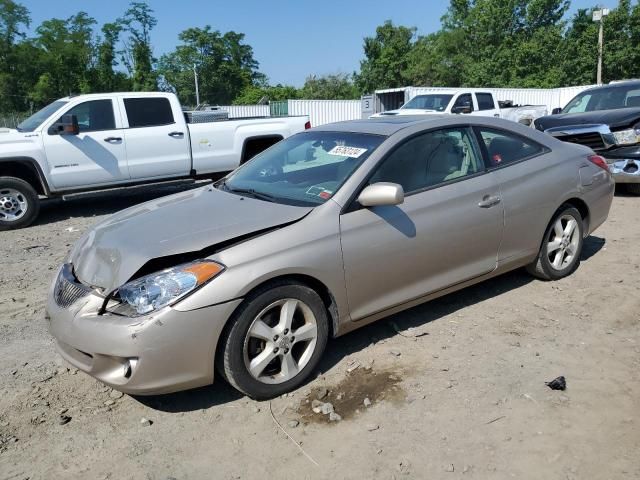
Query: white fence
326,111
240,111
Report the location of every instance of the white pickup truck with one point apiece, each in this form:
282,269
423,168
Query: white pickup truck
102,141
467,101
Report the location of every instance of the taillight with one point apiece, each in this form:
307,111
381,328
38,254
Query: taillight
599,161
307,125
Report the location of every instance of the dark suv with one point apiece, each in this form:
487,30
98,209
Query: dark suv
607,119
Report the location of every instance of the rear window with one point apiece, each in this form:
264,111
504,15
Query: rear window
485,101
148,112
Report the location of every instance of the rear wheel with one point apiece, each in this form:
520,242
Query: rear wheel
275,340
19,203
560,251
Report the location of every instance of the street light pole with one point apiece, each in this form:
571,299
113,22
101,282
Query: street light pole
598,16
195,76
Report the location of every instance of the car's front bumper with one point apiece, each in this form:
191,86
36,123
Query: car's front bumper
162,352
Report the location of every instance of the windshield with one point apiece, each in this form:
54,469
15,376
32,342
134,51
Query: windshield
606,98
429,102
305,169
35,120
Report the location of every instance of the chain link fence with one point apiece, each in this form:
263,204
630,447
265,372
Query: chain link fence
12,119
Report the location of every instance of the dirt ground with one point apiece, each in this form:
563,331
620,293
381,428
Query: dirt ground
456,387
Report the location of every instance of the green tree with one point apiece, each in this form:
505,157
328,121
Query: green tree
255,94
329,87
137,56
225,65
13,19
386,58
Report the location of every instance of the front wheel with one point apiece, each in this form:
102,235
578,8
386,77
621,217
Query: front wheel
19,203
559,253
275,340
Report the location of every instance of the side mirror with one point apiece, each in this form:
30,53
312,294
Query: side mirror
68,125
461,109
382,193
556,111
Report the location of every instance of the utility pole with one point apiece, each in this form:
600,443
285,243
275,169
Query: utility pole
598,16
195,76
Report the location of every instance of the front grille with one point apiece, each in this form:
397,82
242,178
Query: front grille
592,140
67,290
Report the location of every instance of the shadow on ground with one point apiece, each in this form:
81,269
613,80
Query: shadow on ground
358,340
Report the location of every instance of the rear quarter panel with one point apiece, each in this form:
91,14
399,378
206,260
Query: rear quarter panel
532,191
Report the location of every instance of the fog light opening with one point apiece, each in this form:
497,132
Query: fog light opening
128,367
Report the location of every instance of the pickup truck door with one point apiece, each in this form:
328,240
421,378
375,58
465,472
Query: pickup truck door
97,155
486,105
157,140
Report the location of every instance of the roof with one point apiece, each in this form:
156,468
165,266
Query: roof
381,126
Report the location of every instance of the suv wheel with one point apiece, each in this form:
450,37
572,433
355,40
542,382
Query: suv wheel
19,203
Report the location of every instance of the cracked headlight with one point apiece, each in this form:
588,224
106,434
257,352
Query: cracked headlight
627,137
152,292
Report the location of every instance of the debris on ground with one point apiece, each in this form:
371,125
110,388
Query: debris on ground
145,422
558,383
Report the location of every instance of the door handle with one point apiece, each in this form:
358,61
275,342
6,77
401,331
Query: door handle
176,134
113,139
488,201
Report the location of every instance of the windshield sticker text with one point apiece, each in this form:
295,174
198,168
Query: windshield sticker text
344,151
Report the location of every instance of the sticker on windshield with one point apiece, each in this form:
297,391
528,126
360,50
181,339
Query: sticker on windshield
344,151
320,192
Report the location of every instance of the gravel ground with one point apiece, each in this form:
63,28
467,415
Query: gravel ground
451,389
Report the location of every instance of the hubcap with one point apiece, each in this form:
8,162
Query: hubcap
563,241
13,205
280,341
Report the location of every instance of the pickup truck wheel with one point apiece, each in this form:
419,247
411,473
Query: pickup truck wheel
633,188
19,203
274,341
560,251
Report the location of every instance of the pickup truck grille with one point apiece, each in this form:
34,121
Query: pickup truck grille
592,140
67,290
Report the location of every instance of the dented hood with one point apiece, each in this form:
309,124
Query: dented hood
110,253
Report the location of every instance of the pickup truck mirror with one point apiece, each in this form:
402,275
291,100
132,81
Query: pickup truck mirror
68,125
556,111
461,109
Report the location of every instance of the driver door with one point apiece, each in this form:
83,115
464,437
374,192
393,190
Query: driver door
97,155
448,229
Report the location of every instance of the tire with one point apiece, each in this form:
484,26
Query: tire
633,188
19,203
264,363
560,251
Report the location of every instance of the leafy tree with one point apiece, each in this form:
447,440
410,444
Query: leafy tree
329,87
137,56
386,58
255,94
225,66
13,19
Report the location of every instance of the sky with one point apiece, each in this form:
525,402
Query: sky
290,39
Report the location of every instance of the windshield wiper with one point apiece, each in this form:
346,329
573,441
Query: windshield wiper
250,192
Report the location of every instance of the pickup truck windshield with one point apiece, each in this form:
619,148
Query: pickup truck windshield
35,120
606,98
305,169
429,102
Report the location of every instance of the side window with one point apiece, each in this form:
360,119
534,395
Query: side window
94,115
464,100
148,112
504,147
430,159
485,101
